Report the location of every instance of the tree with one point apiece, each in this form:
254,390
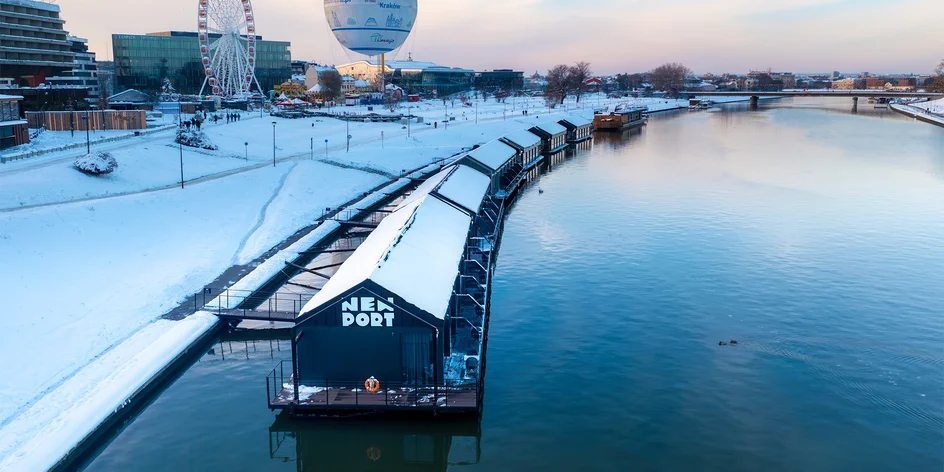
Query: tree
577,75
330,84
937,84
558,84
669,76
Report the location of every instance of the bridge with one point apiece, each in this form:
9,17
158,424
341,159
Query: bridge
855,94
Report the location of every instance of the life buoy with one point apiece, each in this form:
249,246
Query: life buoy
372,385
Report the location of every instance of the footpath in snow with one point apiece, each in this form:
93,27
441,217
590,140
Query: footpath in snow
100,260
931,112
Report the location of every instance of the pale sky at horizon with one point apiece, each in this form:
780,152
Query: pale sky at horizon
803,36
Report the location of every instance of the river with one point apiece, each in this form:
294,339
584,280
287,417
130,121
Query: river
812,235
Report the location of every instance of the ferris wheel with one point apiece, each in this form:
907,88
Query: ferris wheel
227,35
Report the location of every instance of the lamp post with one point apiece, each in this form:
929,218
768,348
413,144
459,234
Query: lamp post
326,148
180,146
273,144
247,149
347,124
312,148
88,140
408,120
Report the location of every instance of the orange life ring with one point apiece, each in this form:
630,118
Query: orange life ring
372,385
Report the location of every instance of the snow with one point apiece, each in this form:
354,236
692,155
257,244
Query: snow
523,138
577,119
932,106
465,186
424,188
552,128
99,259
925,113
72,411
414,252
10,97
493,154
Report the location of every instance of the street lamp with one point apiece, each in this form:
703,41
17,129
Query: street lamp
273,144
181,147
408,120
326,148
88,140
247,149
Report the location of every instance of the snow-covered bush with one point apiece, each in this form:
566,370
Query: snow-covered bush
194,138
98,163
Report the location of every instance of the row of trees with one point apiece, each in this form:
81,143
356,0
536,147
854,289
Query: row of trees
563,80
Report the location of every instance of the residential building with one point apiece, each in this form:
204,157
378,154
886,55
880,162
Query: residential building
33,43
347,84
787,78
874,83
84,73
848,84
413,76
143,61
313,74
13,130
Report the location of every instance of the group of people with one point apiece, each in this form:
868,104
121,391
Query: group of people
198,118
195,122
230,117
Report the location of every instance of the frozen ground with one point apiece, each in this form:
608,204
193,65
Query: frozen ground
933,106
92,263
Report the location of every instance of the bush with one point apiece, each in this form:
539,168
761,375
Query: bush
99,163
194,138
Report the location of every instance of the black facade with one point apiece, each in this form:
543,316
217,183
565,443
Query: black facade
369,332
499,79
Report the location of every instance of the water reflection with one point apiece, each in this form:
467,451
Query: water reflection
374,443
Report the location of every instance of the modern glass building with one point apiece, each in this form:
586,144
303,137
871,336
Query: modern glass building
143,61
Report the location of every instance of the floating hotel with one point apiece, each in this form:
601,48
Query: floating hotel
620,120
403,323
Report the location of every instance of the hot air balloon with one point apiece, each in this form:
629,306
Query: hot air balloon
371,27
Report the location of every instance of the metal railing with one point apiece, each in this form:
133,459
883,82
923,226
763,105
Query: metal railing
283,392
248,304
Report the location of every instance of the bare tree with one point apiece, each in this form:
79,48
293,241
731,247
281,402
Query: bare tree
577,76
330,84
558,84
938,83
669,76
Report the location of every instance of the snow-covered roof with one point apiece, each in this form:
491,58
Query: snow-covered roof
414,252
130,96
408,65
10,97
425,188
347,78
361,83
551,127
577,119
523,138
493,154
316,88
465,186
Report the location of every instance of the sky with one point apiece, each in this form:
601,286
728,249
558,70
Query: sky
801,36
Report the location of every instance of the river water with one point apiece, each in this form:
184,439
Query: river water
811,235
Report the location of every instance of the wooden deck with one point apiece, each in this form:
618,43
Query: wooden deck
424,398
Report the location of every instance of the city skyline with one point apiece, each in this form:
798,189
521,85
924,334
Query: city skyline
806,36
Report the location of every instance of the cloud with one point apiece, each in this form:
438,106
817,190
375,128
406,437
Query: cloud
614,35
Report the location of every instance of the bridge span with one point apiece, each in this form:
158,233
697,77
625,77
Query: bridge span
816,93
855,94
